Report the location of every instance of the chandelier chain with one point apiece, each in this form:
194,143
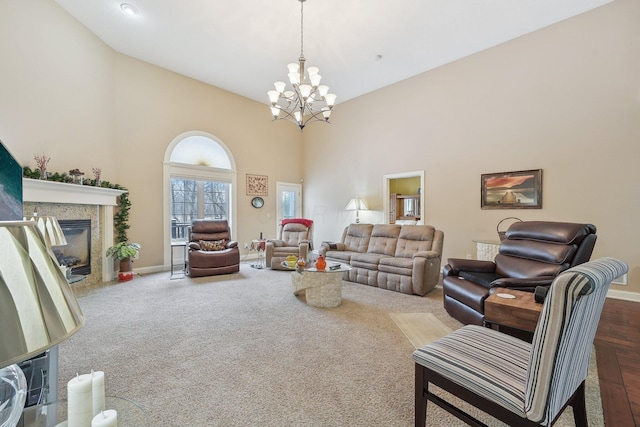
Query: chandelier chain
302,28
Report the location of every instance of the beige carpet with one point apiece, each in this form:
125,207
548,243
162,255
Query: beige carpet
420,328
241,349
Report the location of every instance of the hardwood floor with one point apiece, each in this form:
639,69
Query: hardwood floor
617,351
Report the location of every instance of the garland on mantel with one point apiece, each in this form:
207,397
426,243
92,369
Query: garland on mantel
120,218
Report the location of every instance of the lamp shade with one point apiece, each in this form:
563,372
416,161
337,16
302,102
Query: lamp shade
37,307
356,204
50,229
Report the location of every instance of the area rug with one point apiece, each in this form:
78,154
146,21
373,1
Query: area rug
420,328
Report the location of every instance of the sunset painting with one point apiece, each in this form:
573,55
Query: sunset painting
512,190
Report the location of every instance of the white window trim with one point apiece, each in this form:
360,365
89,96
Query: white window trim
181,170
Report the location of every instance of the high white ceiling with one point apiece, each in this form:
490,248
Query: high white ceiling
244,47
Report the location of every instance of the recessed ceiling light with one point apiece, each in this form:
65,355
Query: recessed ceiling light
129,9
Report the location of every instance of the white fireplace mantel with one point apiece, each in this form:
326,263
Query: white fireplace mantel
36,190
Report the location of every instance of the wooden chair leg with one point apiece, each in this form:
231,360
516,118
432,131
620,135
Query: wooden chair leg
421,398
579,407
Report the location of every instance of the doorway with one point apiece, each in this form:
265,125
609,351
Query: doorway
288,201
410,185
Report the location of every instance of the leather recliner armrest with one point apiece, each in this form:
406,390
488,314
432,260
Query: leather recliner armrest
462,264
527,284
231,244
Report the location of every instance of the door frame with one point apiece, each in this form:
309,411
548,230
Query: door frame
385,199
280,188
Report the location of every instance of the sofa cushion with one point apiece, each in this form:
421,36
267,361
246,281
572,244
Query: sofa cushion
342,256
368,260
384,239
356,237
414,238
403,266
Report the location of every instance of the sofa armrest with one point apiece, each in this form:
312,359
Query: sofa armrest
274,242
426,254
231,244
463,264
527,284
194,246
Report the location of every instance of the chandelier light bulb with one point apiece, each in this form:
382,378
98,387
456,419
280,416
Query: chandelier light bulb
323,90
305,91
273,96
294,78
280,86
312,71
326,112
298,117
315,79
275,111
293,67
330,99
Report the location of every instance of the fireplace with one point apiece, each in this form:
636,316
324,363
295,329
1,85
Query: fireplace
76,255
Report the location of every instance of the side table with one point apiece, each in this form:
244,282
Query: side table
259,246
519,312
182,272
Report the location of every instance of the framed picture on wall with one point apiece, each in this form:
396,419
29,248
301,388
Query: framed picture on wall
257,185
511,190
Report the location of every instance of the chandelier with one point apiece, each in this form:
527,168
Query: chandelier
307,100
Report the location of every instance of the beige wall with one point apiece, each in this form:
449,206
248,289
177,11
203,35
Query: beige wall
565,99
66,94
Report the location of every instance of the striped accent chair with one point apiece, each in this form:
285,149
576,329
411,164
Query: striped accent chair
521,383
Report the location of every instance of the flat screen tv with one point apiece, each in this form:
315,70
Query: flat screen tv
10,186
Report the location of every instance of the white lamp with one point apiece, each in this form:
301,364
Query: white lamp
356,204
37,309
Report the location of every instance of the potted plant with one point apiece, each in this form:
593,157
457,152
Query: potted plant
124,252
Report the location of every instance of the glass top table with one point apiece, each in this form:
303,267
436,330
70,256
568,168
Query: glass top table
54,414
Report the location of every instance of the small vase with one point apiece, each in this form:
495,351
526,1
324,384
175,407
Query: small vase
321,264
43,174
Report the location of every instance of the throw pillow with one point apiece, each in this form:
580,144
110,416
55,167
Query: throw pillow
215,245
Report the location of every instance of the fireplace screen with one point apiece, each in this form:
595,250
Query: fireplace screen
76,255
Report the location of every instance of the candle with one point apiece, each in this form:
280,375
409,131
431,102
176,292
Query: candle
79,401
108,418
97,386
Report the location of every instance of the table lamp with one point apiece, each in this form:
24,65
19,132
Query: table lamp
356,204
37,309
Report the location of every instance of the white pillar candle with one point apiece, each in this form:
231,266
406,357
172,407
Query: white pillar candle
98,391
108,418
79,401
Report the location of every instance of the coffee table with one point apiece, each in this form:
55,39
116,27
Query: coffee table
321,288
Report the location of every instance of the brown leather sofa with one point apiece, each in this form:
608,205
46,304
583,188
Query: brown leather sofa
401,258
211,250
532,254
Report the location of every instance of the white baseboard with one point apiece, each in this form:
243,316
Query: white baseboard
624,295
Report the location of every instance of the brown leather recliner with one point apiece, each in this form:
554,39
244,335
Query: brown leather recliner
211,250
532,254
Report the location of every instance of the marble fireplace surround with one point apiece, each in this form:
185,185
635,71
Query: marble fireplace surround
73,201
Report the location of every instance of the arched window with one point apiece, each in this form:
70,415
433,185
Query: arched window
199,181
